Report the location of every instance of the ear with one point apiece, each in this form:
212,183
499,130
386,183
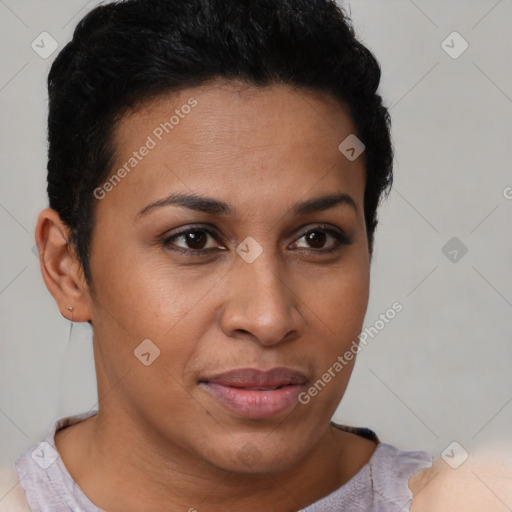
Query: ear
61,270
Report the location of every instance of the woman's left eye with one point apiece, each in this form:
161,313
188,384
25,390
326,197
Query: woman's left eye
316,238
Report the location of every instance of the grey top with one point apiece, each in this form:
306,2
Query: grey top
380,486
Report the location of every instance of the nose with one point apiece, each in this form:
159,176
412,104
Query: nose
261,303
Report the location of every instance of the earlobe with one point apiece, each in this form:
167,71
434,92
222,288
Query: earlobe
60,267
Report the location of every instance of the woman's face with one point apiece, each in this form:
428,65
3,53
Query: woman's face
193,304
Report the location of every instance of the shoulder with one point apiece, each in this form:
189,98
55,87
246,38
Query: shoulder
14,499
383,471
478,484
385,461
392,470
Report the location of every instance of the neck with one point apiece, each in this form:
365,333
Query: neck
120,466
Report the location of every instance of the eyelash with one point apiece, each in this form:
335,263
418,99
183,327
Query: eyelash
340,238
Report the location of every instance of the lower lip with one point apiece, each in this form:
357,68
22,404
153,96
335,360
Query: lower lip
256,404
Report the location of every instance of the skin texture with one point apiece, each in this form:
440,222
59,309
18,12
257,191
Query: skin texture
160,441
482,482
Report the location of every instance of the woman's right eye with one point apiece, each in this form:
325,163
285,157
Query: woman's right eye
193,241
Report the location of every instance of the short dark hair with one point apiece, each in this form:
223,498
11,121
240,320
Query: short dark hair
127,52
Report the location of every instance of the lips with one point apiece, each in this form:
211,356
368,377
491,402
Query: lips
254,378
255,393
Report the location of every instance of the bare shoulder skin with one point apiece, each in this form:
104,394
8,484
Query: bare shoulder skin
14,500
480,484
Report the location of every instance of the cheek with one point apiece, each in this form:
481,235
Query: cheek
349,293
140,290
149,299
338,302
339,296
336,325
133,304
147,329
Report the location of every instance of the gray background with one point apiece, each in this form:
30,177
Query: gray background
441,370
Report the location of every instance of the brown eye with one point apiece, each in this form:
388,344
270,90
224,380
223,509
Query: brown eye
193,241
316,239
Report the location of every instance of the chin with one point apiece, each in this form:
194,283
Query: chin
253,457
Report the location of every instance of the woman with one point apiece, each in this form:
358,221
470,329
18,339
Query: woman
214,174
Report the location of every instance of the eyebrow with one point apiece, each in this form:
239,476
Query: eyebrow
216,207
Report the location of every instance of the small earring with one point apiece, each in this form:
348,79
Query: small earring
70,308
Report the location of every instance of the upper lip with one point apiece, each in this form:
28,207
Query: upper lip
254,377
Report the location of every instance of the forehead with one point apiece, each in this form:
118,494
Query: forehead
237,141
238,109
